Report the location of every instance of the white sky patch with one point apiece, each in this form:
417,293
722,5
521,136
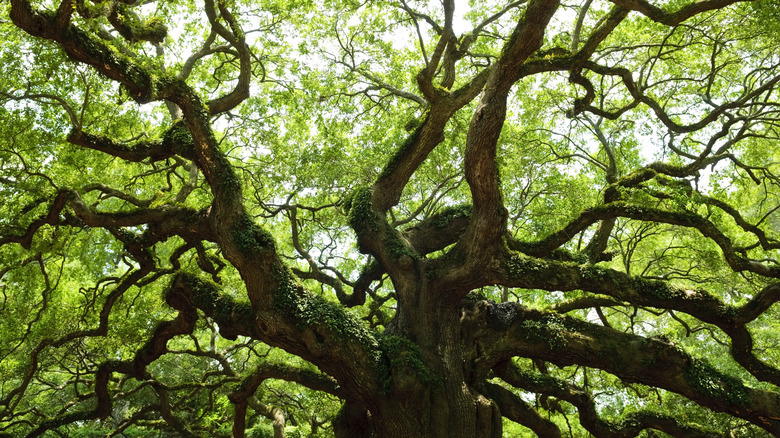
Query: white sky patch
459,23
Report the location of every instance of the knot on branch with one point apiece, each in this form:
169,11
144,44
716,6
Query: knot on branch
500,316
477,315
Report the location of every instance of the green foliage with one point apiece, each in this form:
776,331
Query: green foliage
262,430
683,121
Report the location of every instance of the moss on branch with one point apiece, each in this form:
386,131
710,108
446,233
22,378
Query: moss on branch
234,317
704,378
133,29
449,214
309,310
179,140
400,364
360,214
402,151
250,238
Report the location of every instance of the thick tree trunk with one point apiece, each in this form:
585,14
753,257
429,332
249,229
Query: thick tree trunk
445,411
431,383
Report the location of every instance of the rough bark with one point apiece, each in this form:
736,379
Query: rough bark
427,374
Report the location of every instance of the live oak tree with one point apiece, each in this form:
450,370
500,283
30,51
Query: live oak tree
390,219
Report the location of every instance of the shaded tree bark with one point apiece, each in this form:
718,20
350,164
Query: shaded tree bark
427,373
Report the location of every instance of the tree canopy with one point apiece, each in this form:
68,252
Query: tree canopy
390,218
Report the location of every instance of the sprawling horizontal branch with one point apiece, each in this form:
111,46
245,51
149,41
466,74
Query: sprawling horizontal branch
162,222
638,96
630,426
153,150
685,12
552,275
512,329
234,318
657,215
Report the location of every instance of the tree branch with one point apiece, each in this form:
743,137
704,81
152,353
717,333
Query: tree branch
567,341
673,18
630,426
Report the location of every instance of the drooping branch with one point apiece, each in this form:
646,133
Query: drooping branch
110,192
243,396
308,378
51,217
46,98
151,351
517,410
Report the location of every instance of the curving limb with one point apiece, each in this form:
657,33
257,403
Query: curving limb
222,201
538,334
630,426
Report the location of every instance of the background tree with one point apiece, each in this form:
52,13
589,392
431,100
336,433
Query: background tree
389,219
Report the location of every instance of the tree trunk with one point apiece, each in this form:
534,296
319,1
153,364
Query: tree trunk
431,383
450,410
